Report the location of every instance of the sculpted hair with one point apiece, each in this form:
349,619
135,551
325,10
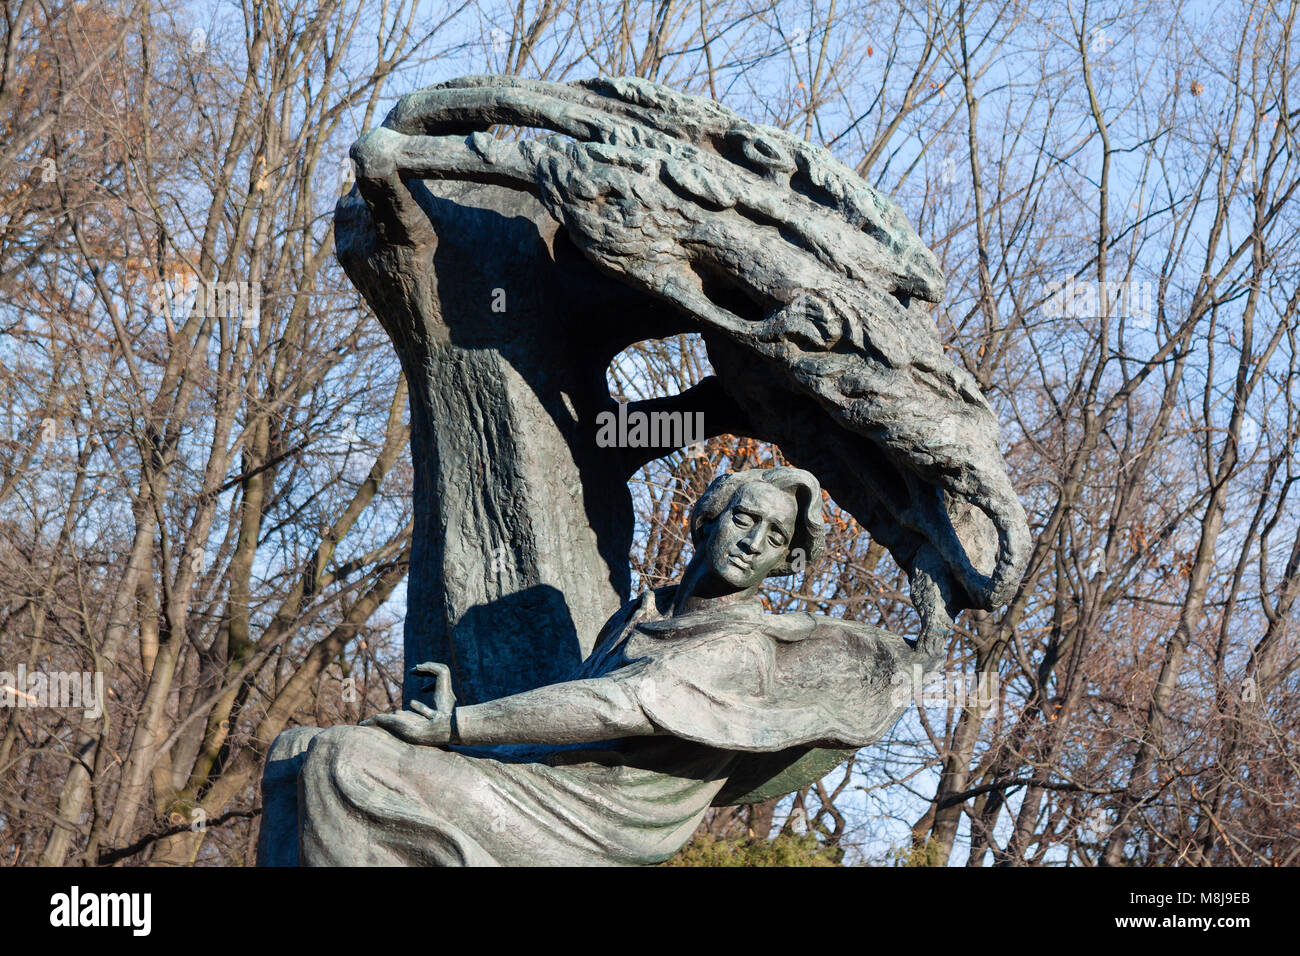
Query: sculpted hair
809,528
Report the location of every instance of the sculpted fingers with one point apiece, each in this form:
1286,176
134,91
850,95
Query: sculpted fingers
414,728
444,699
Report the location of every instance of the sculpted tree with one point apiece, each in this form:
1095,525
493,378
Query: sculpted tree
807,286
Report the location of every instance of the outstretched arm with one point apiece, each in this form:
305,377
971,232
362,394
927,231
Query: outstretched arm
573,712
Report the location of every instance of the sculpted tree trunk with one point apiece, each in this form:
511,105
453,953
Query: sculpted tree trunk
519,517
508,274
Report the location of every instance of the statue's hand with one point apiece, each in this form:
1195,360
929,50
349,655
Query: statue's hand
420,725
423,725
443,698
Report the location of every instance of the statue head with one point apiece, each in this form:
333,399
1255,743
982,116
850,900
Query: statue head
760,523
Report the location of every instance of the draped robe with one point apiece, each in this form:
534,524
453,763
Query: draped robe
735,694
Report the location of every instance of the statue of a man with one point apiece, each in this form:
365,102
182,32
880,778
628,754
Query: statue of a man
687,687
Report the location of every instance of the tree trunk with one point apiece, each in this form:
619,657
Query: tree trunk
506,368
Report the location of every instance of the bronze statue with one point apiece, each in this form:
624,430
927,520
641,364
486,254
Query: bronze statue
509,272
687,688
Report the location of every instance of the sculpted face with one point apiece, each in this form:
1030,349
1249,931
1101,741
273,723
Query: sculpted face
752,536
